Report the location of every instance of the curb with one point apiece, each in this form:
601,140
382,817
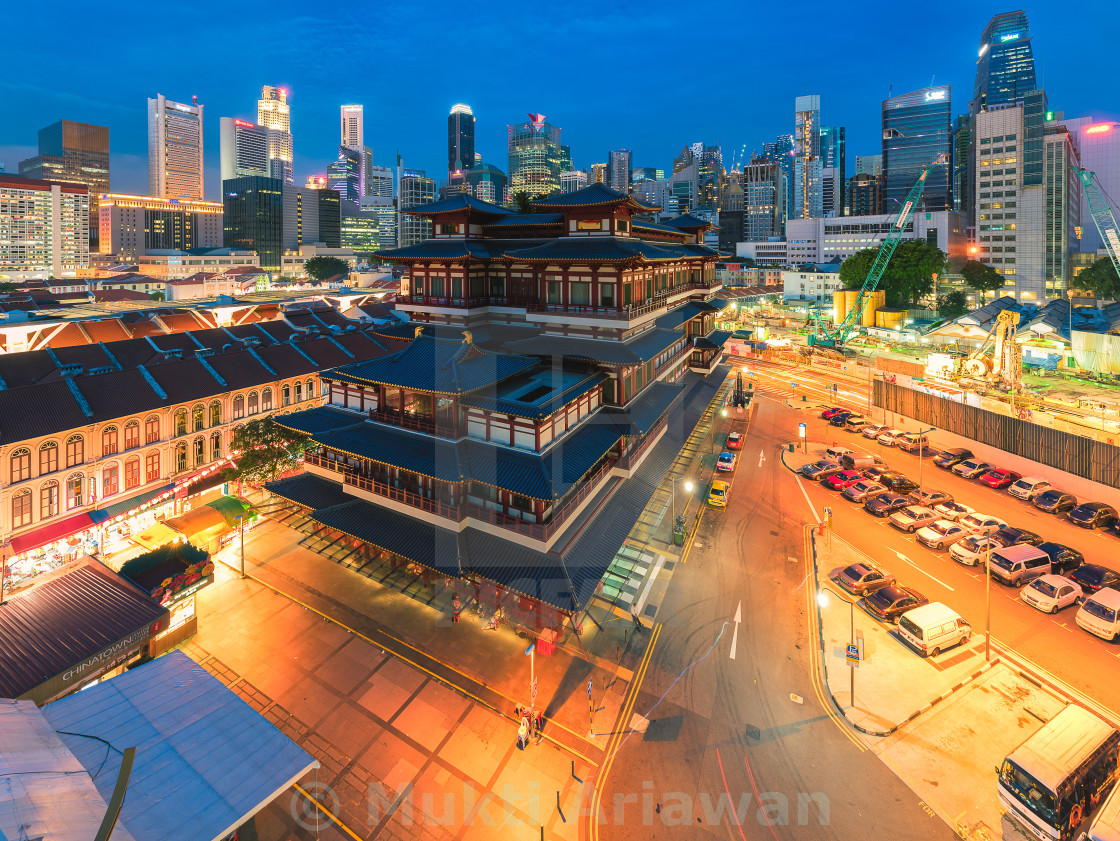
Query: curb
840,709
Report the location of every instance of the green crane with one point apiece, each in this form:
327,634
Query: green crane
1102,215
835,338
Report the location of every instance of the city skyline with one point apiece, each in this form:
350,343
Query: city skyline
592,122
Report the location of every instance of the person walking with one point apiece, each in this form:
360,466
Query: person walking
456,608
634,616
523,734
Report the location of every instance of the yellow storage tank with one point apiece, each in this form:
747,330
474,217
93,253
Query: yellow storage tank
842,301
876,301
890,319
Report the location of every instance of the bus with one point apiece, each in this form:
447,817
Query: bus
1051,782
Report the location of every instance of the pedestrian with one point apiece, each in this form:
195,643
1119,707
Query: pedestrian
456,608
634,616
523,734
538,723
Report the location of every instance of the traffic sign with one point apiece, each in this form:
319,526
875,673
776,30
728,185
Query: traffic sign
589,689
853,656
801,430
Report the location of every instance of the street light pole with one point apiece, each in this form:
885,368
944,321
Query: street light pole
241,528
852,641
988,603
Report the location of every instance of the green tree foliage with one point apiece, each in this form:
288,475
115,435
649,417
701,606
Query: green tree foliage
952,304
267,449
981,277
909,274
7,286
522,202
324,268
1101,278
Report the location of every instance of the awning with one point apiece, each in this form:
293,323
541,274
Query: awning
199,525
156,535
127,505
57,531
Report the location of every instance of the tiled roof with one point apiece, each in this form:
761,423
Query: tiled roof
521,220
285,360
649,344
688,222
214,337
600,249
536,411
319,420
38,410
646,409
411,451
683,313
70,334
278,331
184,380
413,538
239,368
438,249
118,394
456,203
602,351
657,227
310,491
591,196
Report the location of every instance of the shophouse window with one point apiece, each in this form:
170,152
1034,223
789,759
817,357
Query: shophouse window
132,473
198,415
181,422
215,413
151,465
253,402
21,509
21,464
75,450
199,451
286,395
75,487
108,441
110,480
132,435
48,500
151,430
310,389
239,406
266,400
180,457
216,446
299,391
48,457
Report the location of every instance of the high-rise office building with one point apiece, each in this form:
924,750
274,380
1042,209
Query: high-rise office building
646,173
703,165
310,216
175,153
1061,217
535,158
345,175
352,134
1004,64
917,128
131,226
73,153
244,149
808,168
834,157
415,189
962,165
869,165
618,162
598,174
487,183
460,139
572,181
274,113
379,182
44,228
781,153
383,209
863,195
1097,143
253,217
764,193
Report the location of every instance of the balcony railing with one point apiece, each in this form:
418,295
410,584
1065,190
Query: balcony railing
629,459
415,422
444,301
413,500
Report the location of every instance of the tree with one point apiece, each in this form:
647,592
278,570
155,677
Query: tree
7,286
981,277
952,304
523,202
1101,278
157,296
324,268
908,276
267,449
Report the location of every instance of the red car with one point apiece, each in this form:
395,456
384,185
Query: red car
827,414
841,480
735,440
1000,478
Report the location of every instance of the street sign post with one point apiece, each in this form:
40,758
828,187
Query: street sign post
802,435
853,656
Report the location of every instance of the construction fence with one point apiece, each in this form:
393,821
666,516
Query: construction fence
1074,454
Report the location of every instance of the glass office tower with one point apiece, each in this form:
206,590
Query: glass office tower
917,127
535,158
254,217
1005,62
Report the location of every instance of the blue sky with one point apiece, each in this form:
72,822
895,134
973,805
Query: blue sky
649,76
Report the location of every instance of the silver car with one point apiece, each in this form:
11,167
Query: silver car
864,490
874,430
889,436
820,469
942,533
913,517
860,579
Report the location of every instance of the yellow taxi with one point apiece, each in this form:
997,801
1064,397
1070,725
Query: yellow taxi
717,496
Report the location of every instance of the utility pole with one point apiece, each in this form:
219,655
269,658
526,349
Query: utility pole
988,602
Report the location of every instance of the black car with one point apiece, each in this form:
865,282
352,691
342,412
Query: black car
1055,501
839,419
889,603
1093,577
1092,515
897,483
948,459
885,505
1063,559
1010,536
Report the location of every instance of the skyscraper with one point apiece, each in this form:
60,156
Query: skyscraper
764,194
834,157
253,217
274,114
807,164
175,158
415,189
244,148
352,134
1004,64
618,162
781,153
460,139
1098,146
869,165
487,183
535,157
863,194
73,153
917,128
345,175
45,228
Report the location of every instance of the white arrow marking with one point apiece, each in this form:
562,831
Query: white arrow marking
902,557
761,458
735,635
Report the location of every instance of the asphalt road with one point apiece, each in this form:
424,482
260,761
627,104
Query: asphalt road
1055,643
735,715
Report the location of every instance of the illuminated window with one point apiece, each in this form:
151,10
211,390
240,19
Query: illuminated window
48,500
108,441
48,457
151,466
132,473
181,422
21,509
199,416
215,413
74,491
132,435
110,480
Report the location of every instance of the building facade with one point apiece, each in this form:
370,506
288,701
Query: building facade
1097,143
834,156
811,283
487,183
1005,69
822,240
133,225
535,158
869,165
460,139
352,126
571,181
619,162
415,189
175,150
73,153
274,113
44,228
808,201
253,217
764,193
244,149
310,217
863,195
917,129
344,175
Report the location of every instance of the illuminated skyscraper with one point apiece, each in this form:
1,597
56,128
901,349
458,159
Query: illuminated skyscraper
175,156
73,153
460,140
917,128
808,199
619,163
274,114
244,148
344,175
1005,62
353,130
535,157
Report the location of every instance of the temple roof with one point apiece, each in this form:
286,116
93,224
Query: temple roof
688,222
601,250
658,227
593,195
457,204
520,220
536,395
457,249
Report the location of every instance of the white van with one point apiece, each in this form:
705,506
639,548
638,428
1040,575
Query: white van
1029,487
932,628
1019,565
1100,614
911,441
1106,825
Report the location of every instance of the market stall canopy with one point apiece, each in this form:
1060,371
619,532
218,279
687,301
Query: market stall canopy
206,761
198,526
156,535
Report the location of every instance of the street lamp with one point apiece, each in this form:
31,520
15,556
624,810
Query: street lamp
921,455
822,600
988,602
687,489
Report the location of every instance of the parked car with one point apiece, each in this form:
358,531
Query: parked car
837,453
864,490
971,468
1099,614
889,603
897,482
735,440
815,469
913,517
856,461
972,550
1028,487
1050,593
941,533
1000,478
1055,501
839,419
875,473
1063,559
885,504
953,510
930,498
841,480
948,459
874,430
860,579
978,523
717,494
1092,515
1011,536
889,436
856,423
725,463
932,628
1018,564
912,442
1093,577
830,411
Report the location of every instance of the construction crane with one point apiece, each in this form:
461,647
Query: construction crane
1102,215
835,337
1005,363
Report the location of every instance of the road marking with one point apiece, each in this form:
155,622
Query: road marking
735,635
808,501
902,557
761,458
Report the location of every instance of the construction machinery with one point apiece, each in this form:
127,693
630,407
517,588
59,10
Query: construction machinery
1102,215
999,358
834,338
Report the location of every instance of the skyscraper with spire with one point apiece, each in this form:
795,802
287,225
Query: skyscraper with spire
1004,62
274,114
